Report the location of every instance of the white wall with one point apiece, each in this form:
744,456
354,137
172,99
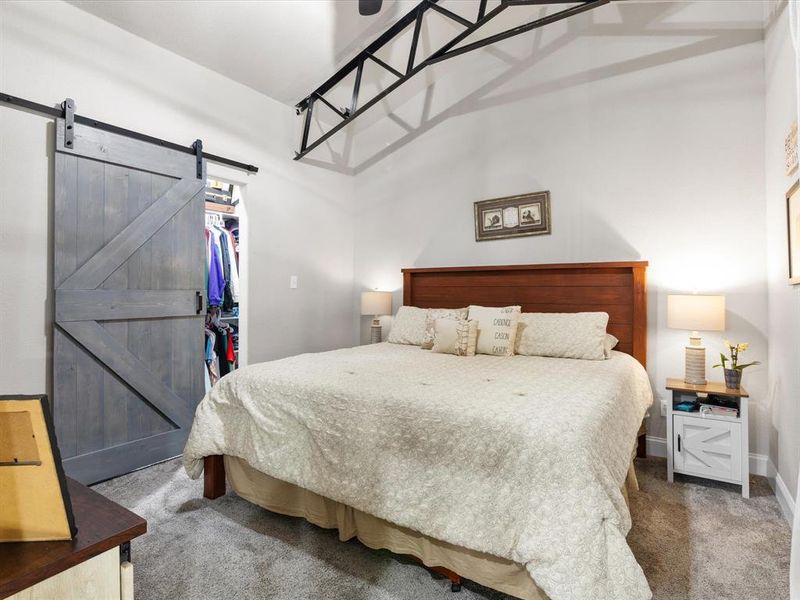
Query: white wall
651,146
300,216
784,300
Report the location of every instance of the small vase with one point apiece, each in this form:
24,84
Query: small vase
733,379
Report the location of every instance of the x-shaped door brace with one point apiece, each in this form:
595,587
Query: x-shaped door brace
415,16
80,303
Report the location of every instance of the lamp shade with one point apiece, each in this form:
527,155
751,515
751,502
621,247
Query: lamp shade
376,303
693,312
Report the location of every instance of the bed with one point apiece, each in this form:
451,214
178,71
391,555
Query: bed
508,471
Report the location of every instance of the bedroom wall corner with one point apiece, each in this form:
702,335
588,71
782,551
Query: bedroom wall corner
301,217
646,155
783,299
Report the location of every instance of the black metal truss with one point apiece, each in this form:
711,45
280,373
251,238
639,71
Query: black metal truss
415,16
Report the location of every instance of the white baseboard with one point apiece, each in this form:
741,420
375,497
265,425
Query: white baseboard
760,464
784,497
656,446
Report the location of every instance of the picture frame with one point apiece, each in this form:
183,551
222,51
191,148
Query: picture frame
512,216
33,487
793,232
790,150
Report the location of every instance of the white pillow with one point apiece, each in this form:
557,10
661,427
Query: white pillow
408,326
563,335
453,336
609,344
497,329
439,313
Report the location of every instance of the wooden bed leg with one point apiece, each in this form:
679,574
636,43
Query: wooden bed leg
641,446
455,579
214,477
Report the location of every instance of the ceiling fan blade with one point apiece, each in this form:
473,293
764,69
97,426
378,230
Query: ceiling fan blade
369,7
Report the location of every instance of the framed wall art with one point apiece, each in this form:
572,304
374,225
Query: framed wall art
512,216
793,224
790,150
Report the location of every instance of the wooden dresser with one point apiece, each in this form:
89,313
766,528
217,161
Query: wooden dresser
95,565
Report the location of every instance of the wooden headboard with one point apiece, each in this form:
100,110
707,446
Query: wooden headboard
618,288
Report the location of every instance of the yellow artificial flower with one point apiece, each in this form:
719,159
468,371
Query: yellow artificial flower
742,347
727,344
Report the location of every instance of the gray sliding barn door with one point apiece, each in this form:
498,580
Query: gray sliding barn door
129,281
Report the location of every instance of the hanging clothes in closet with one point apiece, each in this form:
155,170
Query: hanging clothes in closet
220,354
216,277
222,287
223,271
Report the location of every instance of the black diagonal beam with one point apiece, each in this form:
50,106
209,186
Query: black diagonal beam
452,15
358,65
415,40
493,39
481,9
383,39
356,88
331,106
469,31
306,128
388,67
443,53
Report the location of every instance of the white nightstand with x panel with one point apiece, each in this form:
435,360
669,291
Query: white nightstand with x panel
705,444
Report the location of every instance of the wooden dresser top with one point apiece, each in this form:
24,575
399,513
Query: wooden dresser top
102,525
712,387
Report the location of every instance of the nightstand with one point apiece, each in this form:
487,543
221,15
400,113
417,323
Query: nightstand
705,444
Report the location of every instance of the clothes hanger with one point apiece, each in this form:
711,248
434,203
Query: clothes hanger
214,220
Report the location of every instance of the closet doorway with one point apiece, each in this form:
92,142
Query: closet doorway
225,343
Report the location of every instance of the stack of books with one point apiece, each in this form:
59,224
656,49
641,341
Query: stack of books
722,411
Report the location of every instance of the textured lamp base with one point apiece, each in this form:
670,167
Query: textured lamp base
695,365
375,332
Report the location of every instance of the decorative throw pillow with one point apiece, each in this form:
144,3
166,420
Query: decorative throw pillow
497,329
453,336
563,335
439,313
609,344
408,326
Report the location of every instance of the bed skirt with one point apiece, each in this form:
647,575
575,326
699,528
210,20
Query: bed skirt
287,499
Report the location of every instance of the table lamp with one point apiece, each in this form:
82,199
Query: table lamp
376,304
695,313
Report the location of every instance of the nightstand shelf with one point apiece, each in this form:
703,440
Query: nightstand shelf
708,445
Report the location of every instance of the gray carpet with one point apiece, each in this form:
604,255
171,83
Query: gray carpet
695,539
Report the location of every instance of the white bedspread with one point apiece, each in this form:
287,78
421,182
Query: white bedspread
520,457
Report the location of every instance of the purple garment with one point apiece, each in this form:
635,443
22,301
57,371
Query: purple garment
216,280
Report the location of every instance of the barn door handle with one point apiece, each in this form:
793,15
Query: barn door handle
679,442
199,299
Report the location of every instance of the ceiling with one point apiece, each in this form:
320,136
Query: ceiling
286,48
281,48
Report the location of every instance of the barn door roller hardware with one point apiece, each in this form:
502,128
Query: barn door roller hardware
69,121
415,16
198,152
67,112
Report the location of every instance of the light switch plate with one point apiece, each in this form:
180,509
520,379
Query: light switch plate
293,282
664,407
